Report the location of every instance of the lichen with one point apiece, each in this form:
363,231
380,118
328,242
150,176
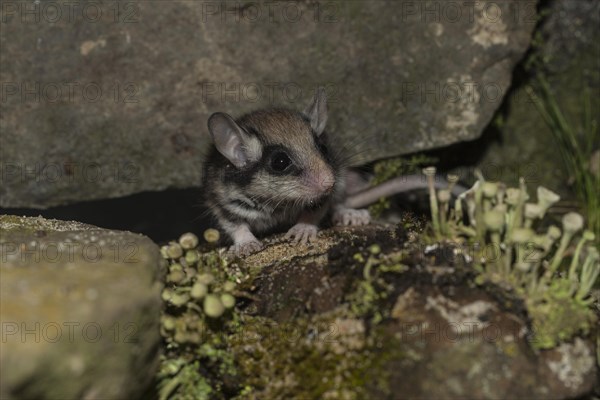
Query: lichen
576,361
181,378
457,315
197,317
488,29
499,223
366,300
331,355
345,352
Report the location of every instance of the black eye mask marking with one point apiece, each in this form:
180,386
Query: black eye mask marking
280,161
277,161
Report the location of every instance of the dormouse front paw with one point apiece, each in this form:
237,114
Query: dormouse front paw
302,233
350,216
246,248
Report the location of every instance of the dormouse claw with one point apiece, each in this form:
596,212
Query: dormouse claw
246,248
302,233
350,216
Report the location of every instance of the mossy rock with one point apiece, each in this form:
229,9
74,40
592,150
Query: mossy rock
369,312
80,310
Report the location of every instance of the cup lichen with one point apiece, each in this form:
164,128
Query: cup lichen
199,300
529,262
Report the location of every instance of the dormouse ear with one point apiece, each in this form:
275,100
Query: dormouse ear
228,138
317,111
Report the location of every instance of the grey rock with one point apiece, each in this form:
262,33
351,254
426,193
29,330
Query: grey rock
80,310
122,100
567,52
439,335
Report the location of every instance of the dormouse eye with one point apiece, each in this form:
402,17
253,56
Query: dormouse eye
280,161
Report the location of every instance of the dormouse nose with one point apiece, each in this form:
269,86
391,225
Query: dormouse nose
326,184
325,180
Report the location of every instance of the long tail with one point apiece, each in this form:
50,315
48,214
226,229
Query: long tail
401,184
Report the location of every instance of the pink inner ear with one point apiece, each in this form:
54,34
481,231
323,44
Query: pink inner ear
230,146
317,111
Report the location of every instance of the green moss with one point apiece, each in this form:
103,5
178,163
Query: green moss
330,356
508,348
557,318
344,353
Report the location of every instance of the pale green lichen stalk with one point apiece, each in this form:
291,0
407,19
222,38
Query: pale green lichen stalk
429,172
554,271
589,275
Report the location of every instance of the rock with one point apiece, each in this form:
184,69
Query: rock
468,346
319,323
101,100
566,51
80,310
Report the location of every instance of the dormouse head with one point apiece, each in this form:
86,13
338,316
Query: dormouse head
282,152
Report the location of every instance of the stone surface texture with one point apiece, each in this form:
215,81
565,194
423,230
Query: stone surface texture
567,47
79,310
105,99
441,336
